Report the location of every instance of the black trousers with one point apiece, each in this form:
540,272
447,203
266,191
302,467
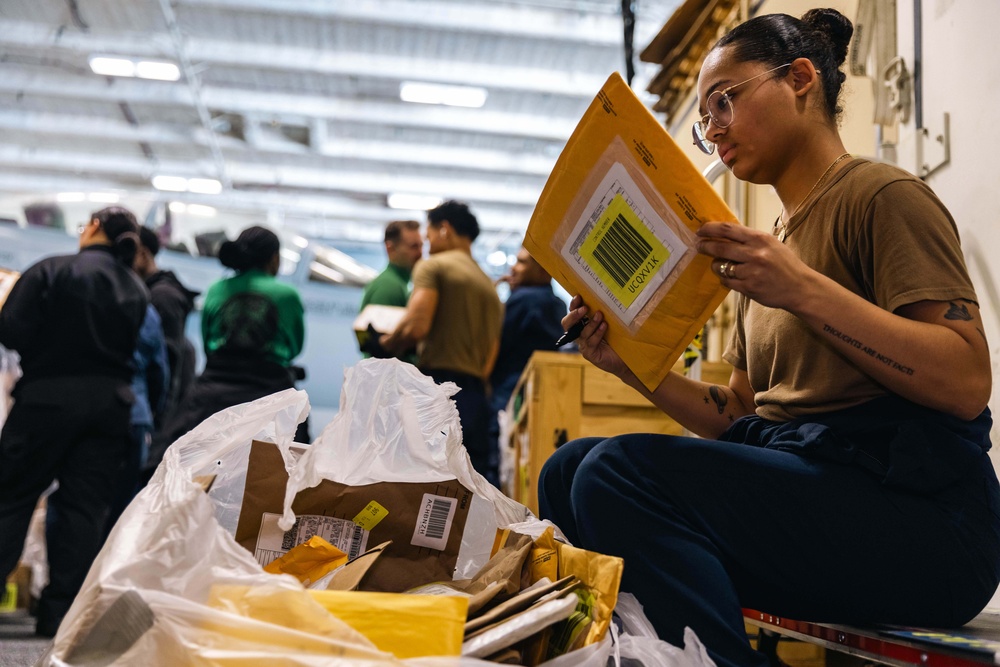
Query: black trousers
475,415
225,382
74,430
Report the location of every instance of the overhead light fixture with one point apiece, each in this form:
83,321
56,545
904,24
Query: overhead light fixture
436,93
103,197
177,207
497,258
157,69
201,210
408,202
170,183
110,66
71,196
203,186
160,70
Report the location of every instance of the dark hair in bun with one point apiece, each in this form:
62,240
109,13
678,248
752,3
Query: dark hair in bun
253,249
821,35
121,228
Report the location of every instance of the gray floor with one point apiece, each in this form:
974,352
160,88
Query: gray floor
19,647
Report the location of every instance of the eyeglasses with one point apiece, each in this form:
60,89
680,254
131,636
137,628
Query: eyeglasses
720,112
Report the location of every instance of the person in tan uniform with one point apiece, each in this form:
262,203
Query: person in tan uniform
454,317
843,476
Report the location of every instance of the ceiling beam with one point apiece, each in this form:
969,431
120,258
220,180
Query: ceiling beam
18,126
331,211
207,52
30,81
585,28
132,170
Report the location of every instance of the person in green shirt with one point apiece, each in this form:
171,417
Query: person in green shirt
404,246
252,327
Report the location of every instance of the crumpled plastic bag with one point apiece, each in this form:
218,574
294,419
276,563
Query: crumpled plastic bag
146,599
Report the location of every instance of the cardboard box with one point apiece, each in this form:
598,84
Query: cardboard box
424,520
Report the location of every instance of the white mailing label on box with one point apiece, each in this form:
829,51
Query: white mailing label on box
273,542
434,519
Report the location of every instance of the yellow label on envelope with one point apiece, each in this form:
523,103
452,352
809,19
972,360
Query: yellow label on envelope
623,252
370,516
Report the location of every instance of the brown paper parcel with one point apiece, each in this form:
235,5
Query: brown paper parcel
615,224
424,521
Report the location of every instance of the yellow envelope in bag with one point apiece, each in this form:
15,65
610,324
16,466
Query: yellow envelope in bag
408,626
616,224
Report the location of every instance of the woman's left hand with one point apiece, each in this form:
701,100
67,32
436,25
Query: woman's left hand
753,262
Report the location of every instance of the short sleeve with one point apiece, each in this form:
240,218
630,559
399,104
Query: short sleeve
736,353
426,275
908,248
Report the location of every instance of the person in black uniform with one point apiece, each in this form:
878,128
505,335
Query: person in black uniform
173,303
75,320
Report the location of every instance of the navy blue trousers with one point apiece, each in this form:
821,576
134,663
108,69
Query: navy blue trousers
474,414
707,527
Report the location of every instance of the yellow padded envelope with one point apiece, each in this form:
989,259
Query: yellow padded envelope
616,224
408,626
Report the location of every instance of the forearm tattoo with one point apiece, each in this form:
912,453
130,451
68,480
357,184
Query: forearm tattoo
854,342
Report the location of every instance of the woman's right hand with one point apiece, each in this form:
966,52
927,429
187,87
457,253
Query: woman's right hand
591,342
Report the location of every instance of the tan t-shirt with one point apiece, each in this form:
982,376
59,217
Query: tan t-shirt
882,234
469,313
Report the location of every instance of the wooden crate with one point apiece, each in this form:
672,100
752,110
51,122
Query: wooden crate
561,396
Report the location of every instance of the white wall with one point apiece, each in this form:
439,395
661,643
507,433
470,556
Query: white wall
961,77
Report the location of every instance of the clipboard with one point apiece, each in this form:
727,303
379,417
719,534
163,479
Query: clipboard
616,224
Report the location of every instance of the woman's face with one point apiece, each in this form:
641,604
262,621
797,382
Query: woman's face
758,132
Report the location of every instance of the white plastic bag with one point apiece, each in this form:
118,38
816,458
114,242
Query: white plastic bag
638,642
145,598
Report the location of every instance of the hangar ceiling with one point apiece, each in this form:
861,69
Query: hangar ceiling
290,111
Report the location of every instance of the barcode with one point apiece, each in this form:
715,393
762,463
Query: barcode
267,556
438,520
434,521
289,539
622,251
356,542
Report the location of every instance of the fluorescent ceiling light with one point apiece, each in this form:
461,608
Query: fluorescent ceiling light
205,186
110,66
178,207
497,258
412,202
201,210
290,255
103,197
433,93
157,69
161,70
170,183
71,196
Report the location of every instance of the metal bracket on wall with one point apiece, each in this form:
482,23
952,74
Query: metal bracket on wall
933,147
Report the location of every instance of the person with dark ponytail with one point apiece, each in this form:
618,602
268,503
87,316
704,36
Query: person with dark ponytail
74,320
252,327
843,476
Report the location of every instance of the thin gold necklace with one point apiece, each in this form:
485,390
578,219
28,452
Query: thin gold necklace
781,227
